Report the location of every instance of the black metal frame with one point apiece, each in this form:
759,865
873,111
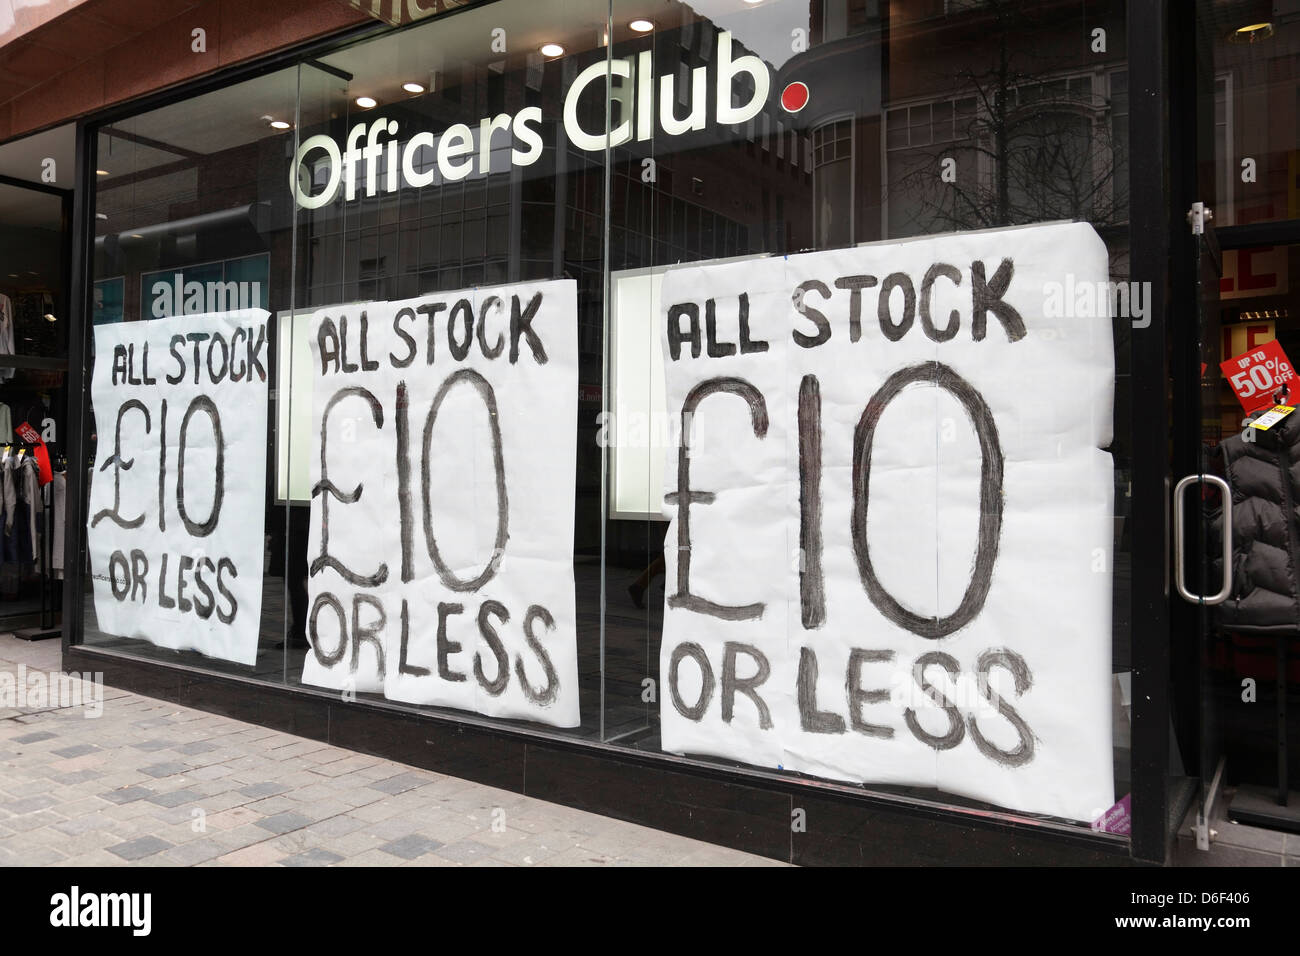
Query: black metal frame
630,784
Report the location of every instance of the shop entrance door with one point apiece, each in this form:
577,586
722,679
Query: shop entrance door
1237,541
1203,528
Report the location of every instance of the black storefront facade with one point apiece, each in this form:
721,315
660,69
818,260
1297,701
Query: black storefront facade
492,157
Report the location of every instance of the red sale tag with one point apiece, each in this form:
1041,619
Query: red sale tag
1258,375
42,455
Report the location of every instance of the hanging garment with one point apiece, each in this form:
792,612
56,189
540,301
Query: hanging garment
6,334
1264,475
31,491
9,564
59,496
10,493
6,424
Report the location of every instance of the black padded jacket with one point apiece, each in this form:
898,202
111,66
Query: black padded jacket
1264,476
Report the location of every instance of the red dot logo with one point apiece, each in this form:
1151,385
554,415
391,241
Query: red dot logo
794,97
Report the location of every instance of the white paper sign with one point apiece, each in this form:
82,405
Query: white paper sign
177,496
440,555
893,562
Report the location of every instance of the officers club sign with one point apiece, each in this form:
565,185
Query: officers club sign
375,158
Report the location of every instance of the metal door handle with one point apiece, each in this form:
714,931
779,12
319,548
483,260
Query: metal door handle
1180,581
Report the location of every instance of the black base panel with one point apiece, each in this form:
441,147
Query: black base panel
706,803
1258,807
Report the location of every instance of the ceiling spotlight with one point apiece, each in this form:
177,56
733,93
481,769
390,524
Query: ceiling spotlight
1252,33
50,318
136,235
552,50
279,124
101,172
367,102
100,215
641,26
413,87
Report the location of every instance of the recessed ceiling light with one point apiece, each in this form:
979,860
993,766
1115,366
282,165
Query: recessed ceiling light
552,50
1252,33
101,172
50,318
279,124
136,235
367,102
100,215
642,26
753,2
413,87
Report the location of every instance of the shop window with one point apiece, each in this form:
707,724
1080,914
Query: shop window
511,537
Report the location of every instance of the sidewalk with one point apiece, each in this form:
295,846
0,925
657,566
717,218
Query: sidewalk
155,784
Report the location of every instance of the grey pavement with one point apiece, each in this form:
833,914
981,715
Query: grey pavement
150,783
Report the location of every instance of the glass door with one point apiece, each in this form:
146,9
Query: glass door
1203,521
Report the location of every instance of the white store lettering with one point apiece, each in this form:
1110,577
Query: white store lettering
461,150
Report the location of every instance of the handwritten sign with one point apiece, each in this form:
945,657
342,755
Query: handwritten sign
441,544
889,557
180,466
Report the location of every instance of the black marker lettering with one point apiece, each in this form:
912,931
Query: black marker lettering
204,611
485,392
896,280
747,685
197,338
675,335
713,347
447,647
163,599
116,561
216,375
807,311
139,574
402,666
812,589
497,685
405,523
411,349
429,311
489,351
325,559
748,347
812,720
927,288
990,527
521,324
956,727
368,633
180,360
463,309
857,696
325,599
855,285
367,364
225,617
548,693
986,297
685,496
119,466
1010,660
694,651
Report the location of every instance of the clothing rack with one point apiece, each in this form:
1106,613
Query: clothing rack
50,597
